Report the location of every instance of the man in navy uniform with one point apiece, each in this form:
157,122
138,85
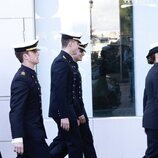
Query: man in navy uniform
26,119
86,135
61,96
58,148
150,104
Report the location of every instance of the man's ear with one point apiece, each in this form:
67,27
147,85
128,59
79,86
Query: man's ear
25,56
156,55
70,43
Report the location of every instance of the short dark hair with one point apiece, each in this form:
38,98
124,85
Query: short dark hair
19,55
151,59
64,42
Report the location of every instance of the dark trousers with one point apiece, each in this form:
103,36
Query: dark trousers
58,148
152,143
87,138
69,142
35,149
0,155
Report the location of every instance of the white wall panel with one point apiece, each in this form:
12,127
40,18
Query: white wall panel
16,8
12,32
51,129
145,33
5,134
29,29
6,149
119,137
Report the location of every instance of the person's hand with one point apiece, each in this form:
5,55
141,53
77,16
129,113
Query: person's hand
18,148
82,119
65,124
78,122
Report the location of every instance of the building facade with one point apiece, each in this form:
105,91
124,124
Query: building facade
119,33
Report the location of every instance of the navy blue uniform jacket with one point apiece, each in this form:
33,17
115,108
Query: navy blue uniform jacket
61,95
77,91
150,101
26,114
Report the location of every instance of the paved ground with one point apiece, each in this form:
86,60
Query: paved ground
126,108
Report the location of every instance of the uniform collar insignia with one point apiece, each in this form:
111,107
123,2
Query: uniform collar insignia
64,57
23,73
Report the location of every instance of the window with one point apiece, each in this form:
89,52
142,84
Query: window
111,32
